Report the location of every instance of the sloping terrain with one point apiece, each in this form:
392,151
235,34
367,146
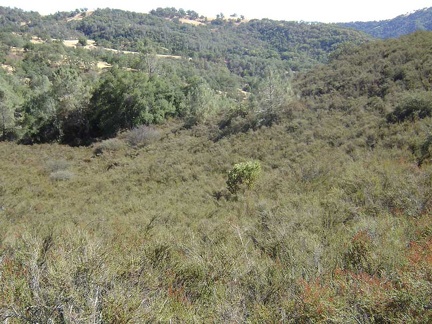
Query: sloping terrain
396,27
213,40
142,227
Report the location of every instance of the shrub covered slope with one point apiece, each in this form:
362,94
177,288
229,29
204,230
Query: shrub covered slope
143,228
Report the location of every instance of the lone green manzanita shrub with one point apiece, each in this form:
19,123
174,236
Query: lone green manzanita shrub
245,173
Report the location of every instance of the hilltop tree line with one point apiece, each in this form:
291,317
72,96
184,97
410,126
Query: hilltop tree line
266,40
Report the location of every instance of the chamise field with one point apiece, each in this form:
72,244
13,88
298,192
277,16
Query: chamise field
223,171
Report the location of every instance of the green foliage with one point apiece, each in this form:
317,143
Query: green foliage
82,40
204,104
10,100
66,100
258,42
396,27
299,43
272,98
412,107
174,13
6,117
351,226
55,111
357,76
357,258
39,119
425,152
124,100
244,173
136,229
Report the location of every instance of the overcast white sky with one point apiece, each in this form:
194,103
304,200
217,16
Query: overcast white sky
306,10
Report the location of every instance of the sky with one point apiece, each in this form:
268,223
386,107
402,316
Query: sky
298,10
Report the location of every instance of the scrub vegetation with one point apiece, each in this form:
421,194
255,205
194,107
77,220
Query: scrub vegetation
156,191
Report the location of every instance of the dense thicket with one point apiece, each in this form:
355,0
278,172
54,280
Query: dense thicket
381,71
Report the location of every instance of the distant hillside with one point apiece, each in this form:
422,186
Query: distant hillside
392,28
293,45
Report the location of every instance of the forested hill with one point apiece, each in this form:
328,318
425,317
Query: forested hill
297,44
52,92
217,71
392,28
